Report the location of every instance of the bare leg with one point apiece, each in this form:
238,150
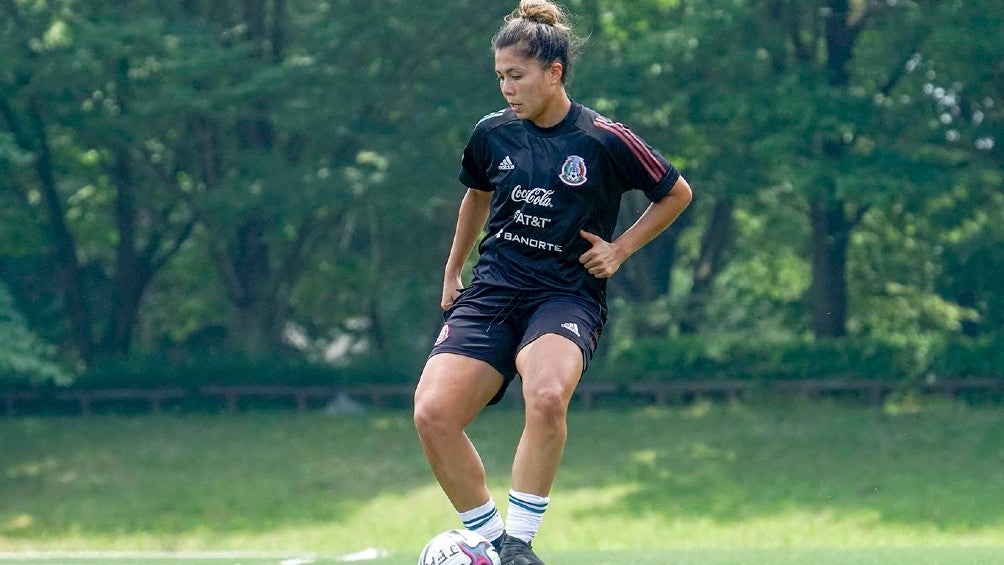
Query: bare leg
550,367
452,391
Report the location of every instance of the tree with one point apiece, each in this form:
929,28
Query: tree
78,99
853,151
253,169
353,94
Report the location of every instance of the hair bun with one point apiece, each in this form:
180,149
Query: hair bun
539,11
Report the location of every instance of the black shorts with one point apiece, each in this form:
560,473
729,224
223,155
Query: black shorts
493,324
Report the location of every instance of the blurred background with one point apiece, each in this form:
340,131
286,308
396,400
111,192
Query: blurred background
264,191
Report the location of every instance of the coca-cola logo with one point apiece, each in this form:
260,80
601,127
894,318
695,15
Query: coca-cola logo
536,196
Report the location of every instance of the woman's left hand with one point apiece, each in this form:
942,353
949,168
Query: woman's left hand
603,258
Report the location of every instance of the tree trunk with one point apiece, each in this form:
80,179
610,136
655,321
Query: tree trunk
840,36
70,278
831,227
253,283
245,269
969,298
251,330
717,238
831,233
279,22
130,276
647,274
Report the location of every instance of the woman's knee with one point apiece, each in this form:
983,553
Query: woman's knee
547,404
431,417
437,413
452,391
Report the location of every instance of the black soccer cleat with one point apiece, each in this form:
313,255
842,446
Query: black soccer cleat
498,542
517,552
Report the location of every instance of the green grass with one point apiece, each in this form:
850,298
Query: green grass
797,483
940,556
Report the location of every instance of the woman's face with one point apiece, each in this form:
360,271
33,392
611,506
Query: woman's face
534,93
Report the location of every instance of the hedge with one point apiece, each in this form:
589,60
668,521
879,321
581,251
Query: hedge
739,357
234,369
675,359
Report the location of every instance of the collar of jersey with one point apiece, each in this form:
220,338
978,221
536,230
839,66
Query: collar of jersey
564,125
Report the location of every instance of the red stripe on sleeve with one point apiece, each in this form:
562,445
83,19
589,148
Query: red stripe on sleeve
638,147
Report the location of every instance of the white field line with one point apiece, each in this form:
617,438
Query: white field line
283,557
280,558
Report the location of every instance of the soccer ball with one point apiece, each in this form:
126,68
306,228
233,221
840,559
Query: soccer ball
459,547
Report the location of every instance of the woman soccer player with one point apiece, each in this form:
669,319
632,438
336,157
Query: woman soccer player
546,176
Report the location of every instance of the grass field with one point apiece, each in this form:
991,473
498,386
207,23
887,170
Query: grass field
783,483
940,556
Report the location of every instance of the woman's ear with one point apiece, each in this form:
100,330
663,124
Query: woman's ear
555,72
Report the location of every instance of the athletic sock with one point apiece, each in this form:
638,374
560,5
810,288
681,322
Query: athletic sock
484,520
525,513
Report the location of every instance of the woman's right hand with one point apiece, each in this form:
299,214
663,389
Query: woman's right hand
451,290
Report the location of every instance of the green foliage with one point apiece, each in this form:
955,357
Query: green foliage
26,361
136,371
330,133
983,357
702,357
692,357
208,368
683,358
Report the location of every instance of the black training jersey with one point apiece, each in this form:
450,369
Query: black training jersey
549,183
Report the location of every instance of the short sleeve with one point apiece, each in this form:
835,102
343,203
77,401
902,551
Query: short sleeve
473,168
641,166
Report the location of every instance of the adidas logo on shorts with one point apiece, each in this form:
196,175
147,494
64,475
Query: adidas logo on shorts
574,328
506,164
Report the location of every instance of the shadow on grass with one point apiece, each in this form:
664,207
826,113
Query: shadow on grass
251,472
734,463
162,476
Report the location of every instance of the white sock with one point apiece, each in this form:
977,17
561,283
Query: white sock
525,513
484,520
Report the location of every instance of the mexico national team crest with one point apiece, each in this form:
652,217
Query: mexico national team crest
443,334
573,172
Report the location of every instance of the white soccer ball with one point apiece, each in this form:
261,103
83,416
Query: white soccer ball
459,547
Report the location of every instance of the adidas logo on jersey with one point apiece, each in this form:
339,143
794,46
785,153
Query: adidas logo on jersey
574,328
506,164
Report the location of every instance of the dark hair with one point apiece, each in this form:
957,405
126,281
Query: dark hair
540,30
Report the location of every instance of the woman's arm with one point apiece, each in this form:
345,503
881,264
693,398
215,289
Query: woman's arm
604,258
471,220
